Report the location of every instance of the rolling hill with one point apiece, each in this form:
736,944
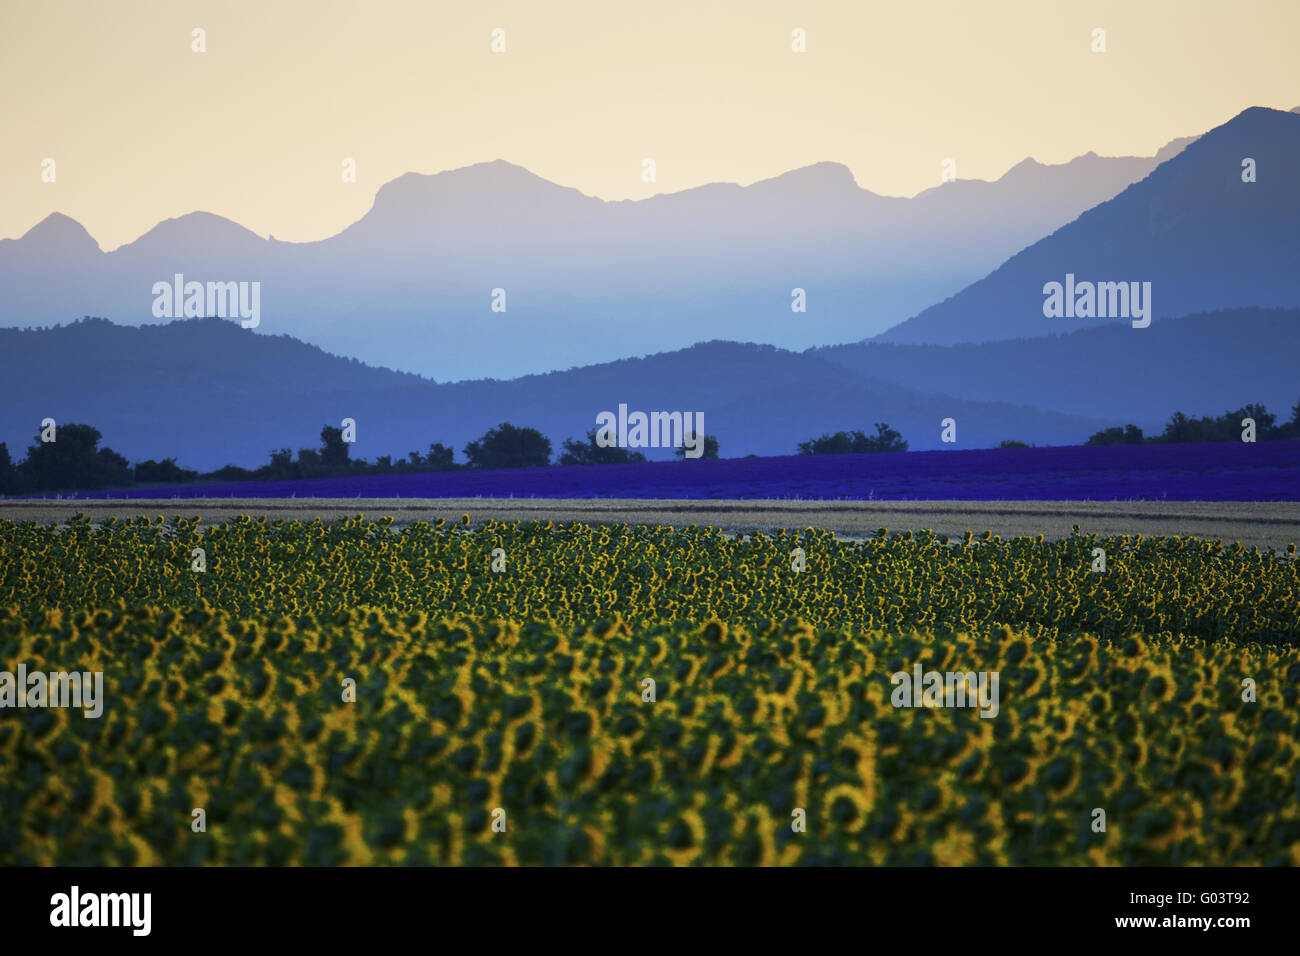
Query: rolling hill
1200,364
211,393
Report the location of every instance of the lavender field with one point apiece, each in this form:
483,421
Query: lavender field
1220,471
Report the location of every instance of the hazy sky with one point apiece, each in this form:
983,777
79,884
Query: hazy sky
142,128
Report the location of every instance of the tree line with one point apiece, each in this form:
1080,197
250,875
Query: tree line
74,460
1225,427
855,442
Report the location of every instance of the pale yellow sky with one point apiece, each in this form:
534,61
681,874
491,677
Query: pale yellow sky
142,128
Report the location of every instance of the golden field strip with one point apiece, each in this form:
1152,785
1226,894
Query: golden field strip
1264,524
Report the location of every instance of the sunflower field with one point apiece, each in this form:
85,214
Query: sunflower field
284,692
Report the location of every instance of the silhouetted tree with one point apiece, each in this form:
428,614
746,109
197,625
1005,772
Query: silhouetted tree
1180,428
1264,419
73,460
281,465
442,458
1226,427
885,439
1128,435
1290,429
333,449
308,464
710,448
855,442
590,453
7,476
232,473
841,443
508,446
165,471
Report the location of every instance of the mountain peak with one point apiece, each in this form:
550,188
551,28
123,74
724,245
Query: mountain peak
823,176
495,177
1191,229
1255,124
1259,114
1025,165
196,230
57,233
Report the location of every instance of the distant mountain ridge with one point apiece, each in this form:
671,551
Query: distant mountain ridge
211,393
1202,237
409,284
1201,364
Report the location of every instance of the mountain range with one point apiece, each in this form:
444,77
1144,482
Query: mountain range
211,393
409,285
659,277
1194,228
